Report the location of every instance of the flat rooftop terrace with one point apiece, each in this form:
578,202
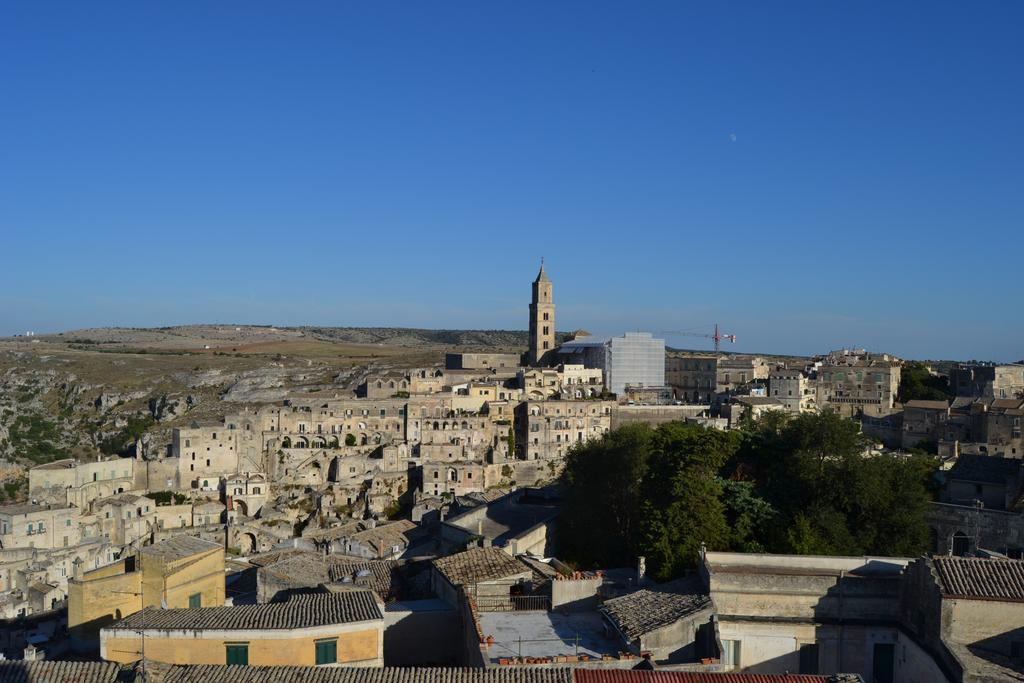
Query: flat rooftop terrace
546,634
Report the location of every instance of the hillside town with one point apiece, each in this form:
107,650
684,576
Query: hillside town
413,531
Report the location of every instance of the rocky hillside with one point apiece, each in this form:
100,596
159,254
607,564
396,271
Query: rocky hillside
108,391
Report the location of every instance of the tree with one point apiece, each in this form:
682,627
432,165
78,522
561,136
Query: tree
917,382
747,515
350,439
683,508
600,521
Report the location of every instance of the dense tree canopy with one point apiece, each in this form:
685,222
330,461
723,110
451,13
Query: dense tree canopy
917,382
801,484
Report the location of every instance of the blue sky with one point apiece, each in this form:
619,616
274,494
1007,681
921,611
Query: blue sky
808,174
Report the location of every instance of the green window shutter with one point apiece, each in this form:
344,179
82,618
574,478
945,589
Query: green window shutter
195,600
327,652
238,654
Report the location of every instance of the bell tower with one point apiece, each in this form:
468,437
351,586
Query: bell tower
542,319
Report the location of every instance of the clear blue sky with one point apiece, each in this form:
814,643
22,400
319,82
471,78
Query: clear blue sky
809,174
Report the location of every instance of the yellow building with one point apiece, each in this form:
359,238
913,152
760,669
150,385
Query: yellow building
317,629
179,572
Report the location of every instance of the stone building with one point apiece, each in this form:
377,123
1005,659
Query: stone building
564,381
507,362
988,426
988,380
815,615
30,525
970,613
704,379
404,382
245,493
69,482
125,518
693,379
793,388
547,429
457,478
317,629
736,371
31,579
924,421
542,319
207,453
857,383
980,506
180,572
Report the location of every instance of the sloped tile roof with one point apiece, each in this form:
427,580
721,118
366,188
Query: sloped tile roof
984,468
178,547
478,564
320,674
301,611
59,672
312,569
981,578
631,676
647,610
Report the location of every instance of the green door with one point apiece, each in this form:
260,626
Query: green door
237,653
326,652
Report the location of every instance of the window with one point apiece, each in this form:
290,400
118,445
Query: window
326,652
67,522
195,600
731,652
237,653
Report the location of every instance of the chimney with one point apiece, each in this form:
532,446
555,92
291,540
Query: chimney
229,602
31,654
641,569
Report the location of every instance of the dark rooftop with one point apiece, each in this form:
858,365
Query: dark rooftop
301,611
321,674
984,468
59,672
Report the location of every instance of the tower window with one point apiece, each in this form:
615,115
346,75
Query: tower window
545,316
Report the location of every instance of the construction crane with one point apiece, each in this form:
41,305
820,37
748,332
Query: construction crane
717,336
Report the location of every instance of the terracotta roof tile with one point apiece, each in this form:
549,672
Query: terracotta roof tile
981,578
647,610
301,611
59,672
478,564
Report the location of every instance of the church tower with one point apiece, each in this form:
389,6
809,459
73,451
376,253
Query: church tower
542,319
